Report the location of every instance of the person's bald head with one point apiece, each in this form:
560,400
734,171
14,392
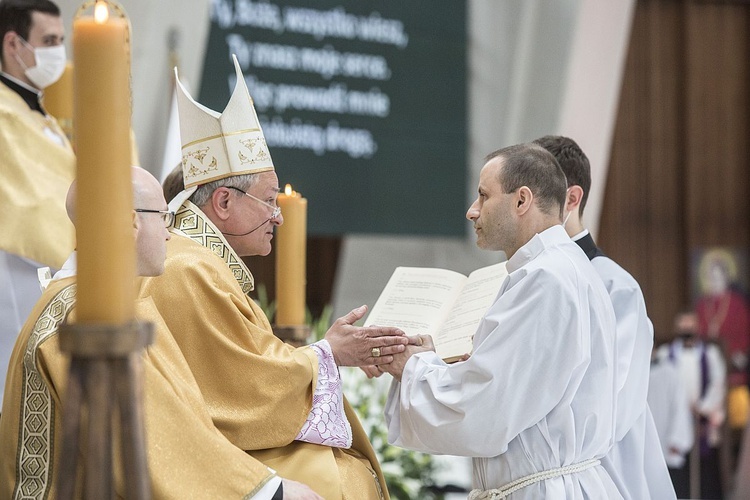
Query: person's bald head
151,233
143,191
146,188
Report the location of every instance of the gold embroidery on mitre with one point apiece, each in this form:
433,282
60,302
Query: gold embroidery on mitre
262,153
194,170
234,134
199,154
191,222
37,423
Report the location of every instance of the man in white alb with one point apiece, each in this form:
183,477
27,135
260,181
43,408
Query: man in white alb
534,404
635,463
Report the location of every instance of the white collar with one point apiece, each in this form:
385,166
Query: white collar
22,84
580,235
551,236
68,269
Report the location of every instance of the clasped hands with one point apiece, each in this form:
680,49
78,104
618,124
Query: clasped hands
376,349
417,344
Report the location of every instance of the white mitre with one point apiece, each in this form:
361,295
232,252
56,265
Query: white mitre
218,145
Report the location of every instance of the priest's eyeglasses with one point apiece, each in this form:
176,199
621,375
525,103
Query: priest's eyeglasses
166,215
276,209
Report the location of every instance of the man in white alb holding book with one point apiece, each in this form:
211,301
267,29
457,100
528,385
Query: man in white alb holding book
534,404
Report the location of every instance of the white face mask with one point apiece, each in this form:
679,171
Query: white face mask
50,64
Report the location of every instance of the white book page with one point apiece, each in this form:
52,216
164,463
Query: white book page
416,299
454,339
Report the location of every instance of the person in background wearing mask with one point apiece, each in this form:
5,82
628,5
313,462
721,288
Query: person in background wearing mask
703,372
37,163
635,462
668,400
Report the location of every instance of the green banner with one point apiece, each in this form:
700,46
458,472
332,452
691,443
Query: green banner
363,105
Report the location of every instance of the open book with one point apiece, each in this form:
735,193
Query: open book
438,302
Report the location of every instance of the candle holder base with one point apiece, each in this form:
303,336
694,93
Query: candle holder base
105,376
295,335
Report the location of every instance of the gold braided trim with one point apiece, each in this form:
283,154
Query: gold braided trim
260,485
200,182
37,425
377,484
217,136
190,221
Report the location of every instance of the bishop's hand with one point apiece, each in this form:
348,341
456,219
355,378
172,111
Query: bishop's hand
360,346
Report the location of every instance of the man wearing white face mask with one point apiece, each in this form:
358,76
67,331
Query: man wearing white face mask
37,162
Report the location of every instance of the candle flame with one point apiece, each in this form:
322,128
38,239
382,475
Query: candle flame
101,12
288,190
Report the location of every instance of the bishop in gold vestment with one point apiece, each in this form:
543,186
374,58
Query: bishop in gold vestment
258,389
282,405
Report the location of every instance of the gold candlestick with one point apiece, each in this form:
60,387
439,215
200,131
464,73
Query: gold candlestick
291,249
106,342
104,229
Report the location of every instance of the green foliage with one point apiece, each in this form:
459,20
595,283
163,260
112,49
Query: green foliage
269,307
319,326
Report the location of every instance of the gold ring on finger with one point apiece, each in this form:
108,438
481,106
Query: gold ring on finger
375,352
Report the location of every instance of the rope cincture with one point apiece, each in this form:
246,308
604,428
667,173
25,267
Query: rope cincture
505,491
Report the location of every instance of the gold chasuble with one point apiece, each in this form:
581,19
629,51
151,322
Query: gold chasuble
257,388
36,175
187,456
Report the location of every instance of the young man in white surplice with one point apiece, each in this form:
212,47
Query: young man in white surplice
534,405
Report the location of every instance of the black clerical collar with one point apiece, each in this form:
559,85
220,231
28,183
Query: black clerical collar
589,247
30,96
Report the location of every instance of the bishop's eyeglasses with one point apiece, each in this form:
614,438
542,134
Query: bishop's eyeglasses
276,209
166,215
